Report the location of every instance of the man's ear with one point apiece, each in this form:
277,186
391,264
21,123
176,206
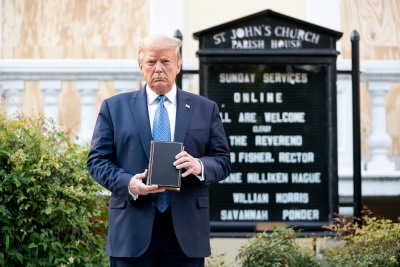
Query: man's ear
141,68
178,69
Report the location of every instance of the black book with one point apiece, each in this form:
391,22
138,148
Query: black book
162,172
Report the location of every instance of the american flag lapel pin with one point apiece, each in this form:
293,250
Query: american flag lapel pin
187,106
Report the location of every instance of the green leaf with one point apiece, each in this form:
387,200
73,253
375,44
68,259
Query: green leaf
32,245
19,257
2,262
7,242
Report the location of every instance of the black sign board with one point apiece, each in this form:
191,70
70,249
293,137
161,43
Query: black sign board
274,79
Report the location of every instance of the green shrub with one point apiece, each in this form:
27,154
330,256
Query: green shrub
215,260
50,214
369,242
364,242
275,249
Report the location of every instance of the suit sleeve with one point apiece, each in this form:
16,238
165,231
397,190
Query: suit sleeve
101,158
217,164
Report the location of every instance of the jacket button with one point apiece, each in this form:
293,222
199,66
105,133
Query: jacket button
153,203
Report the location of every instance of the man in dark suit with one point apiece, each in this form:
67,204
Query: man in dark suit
139,233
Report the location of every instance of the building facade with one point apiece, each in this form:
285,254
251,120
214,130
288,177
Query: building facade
62,58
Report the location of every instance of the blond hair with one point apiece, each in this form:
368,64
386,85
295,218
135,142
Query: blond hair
159,42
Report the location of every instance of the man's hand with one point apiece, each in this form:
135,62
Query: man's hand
137,187
187,162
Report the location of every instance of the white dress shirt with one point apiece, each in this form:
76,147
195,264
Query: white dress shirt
170,105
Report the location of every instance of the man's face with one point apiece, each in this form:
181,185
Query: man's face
159,69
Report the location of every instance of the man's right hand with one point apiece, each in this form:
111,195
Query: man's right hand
137,187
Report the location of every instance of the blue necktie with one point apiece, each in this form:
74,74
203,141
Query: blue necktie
162,132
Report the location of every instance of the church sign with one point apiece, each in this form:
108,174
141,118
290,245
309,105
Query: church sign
274,80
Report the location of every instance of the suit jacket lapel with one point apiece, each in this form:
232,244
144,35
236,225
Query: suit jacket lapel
141,117
184,107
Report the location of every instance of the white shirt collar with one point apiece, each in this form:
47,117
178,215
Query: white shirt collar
152,96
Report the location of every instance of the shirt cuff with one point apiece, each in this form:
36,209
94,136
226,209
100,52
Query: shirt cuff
134,197
201,177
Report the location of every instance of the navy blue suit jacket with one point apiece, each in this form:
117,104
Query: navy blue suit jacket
120,149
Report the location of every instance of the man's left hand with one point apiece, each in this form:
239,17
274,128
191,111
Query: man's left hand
190,164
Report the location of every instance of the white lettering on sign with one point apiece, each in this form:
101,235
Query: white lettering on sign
262,128
285,117
292,197
238,140
233,178
282,37
253,97
247,117
244,215
279,44
255,157
250,198
296,157
303,214
233,157
291,78
278,140
248,44
237,77
306,178
295,33
251,31
225,117
268,178
219,38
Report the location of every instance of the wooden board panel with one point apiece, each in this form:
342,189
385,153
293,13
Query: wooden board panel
106,90
393,117
69,108
73,28
377,22
365,107
32,101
